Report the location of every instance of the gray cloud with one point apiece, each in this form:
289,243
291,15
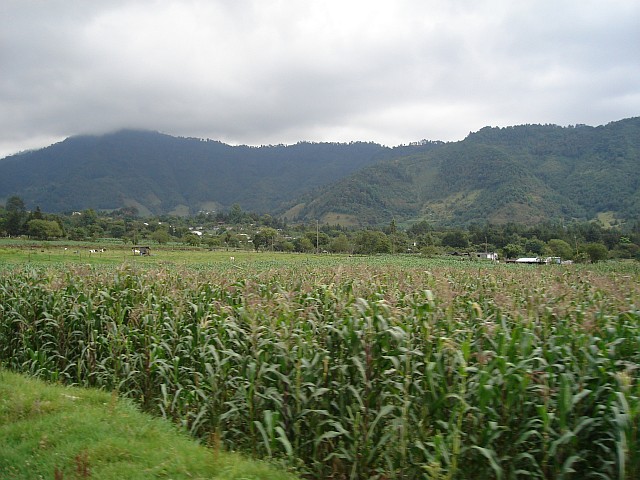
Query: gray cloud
250,71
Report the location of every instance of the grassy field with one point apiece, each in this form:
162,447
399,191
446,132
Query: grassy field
349,367
20,252
50,431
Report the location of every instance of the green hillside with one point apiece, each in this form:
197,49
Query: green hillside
523,174
51,431
159,174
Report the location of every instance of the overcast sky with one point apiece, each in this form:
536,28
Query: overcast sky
280,71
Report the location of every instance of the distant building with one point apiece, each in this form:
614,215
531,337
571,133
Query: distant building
476,255
539,261
532,260
141,250
485,256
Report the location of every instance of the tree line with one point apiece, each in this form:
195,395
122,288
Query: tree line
238,229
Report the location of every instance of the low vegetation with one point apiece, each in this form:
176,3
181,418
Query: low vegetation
354,367
55,432
237,230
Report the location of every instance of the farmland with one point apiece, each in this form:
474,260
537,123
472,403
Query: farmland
348,367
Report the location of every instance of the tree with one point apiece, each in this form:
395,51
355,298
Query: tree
264,238
393,228
429,251
456,239
230,240
235,215
596,252
160,236
16,216
560,248
36,214
398,239
340,244
43,229
117,230
15,204
369,242
424,240
78,233
627,250
320,240
535,246
259,240
284,246
267,220
191,239
88,217
512,250
213,242
419,228
303,244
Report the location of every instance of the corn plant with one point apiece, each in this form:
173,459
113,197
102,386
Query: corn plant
365,369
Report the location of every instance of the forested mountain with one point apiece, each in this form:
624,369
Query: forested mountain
523,174
159,173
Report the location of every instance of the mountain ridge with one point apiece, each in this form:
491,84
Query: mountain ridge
523,174
159,174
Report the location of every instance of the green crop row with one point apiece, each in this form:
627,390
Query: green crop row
363,370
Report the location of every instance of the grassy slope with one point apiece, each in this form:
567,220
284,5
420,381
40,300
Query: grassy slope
81,432
525,174
24,252
43,253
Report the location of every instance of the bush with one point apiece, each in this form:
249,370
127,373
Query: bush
597,252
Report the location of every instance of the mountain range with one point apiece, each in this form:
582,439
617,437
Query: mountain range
524,174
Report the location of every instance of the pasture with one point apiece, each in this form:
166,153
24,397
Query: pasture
108,438
19,252
348,367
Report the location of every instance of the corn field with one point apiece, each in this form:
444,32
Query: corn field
360,370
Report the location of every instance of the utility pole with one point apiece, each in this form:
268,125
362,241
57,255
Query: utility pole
317,237
392,233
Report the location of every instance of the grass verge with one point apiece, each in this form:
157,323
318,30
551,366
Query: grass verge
50,431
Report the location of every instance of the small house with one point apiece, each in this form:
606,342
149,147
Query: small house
485,256
141,250
531,260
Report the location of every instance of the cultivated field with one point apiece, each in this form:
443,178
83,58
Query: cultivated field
349,367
